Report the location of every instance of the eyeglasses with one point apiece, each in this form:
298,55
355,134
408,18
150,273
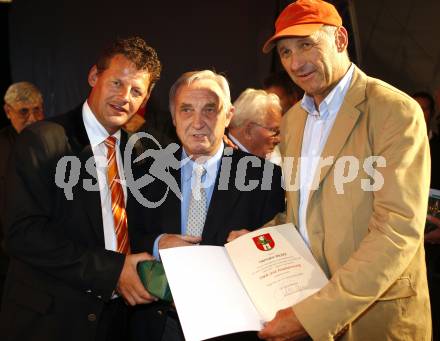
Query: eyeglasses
275,131
25,111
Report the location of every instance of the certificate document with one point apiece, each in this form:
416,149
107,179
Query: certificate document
276,268
222,290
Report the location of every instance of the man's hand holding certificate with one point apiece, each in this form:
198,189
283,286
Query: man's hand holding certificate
220,290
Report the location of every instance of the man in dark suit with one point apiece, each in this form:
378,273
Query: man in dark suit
66,227
222,191
23,106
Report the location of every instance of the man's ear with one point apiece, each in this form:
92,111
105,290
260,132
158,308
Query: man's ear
93,76
229,115
341,38
248,130
7,110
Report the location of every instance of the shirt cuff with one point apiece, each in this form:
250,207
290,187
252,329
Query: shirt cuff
156,247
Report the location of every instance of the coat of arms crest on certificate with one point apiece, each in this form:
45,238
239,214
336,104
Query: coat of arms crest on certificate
264,242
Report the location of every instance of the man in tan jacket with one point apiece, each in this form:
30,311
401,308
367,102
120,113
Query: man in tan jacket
357,175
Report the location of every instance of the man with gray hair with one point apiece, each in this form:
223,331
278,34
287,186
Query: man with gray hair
363,223
221,194
255,126
23,106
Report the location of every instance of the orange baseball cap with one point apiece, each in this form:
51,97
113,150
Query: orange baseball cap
302,18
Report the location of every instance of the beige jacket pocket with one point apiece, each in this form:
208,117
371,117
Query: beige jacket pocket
401,288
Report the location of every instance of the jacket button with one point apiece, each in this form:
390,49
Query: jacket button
160,312
91,317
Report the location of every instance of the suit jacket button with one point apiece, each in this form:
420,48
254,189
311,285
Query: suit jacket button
91,317
160,312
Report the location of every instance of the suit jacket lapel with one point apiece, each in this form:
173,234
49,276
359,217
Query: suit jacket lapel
343,126
123,145
222,201
294,125
172,208
345,122
91,200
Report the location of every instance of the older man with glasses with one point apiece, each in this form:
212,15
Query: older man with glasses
23,106
255,126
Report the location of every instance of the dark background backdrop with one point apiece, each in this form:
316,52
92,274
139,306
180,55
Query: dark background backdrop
54,43
5,74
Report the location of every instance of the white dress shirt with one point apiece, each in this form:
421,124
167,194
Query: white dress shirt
212,166
317,129
97,135
238,144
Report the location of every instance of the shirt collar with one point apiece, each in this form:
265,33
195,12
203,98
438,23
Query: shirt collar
211,165
238,144
332,102
95,131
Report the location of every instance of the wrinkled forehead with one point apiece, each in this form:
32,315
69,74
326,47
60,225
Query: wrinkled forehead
288,40
27,104
207,85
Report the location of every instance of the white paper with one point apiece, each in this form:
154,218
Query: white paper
278,275
212,299
209,297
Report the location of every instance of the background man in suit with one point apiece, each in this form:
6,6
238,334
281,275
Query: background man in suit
71,265
23,106
215,201
255,126
363,225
